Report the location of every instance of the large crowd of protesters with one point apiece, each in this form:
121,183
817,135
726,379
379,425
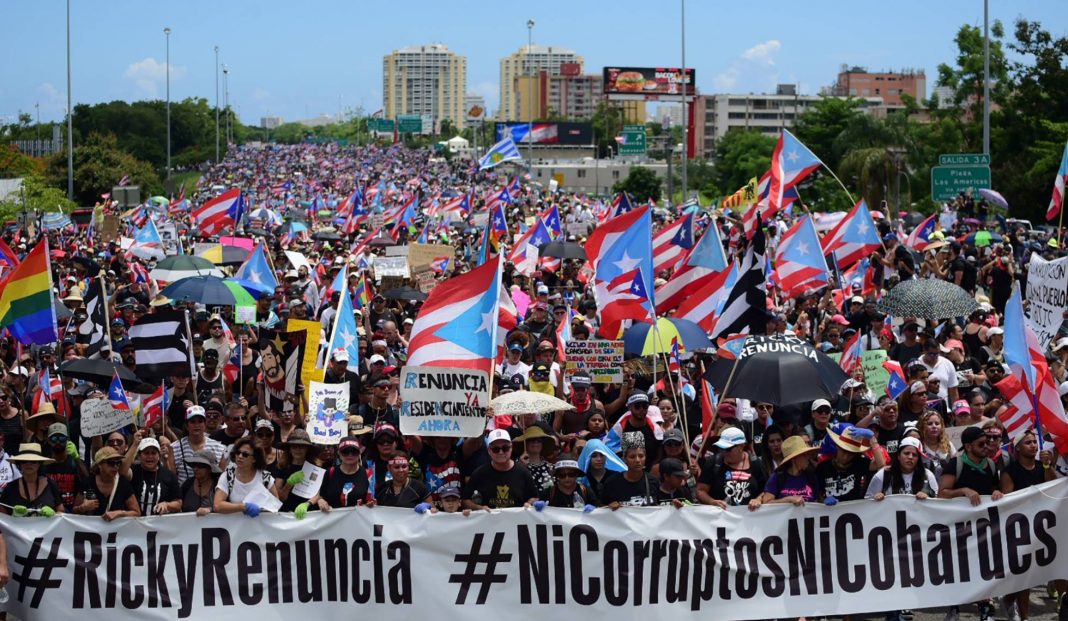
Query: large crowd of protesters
221,440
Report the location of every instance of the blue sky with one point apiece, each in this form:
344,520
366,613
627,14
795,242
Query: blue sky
299,60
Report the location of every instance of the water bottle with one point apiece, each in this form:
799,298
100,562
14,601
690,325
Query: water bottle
476,497
4,596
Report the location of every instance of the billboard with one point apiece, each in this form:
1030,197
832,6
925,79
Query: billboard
646,83
549,133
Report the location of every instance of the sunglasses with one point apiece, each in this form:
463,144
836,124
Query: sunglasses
236,419
58,439
823,411
673,443
566,475
349,451
504,448
385,441
113,463
116,442
244,454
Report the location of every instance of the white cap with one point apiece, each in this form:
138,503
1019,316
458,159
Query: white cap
376,358
497,435
732,436
994,331
1061,343
340,355
856,299
543,289
147,443
820,403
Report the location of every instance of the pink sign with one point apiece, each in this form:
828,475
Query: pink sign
240,242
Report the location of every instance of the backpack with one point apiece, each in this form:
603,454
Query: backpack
992,468
231,476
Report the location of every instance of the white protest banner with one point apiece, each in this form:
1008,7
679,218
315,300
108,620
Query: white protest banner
578,229
98,418
655,564
392,266
1047,284
603,360
328,407
440,401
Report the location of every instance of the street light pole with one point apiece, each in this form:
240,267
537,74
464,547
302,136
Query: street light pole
685,115
530,98
70,120
216,104
986,77
226,90
167,32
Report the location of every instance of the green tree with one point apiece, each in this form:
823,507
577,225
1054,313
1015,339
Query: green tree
38,195
98,164
819,126
642,184
740,156
966,76
14,163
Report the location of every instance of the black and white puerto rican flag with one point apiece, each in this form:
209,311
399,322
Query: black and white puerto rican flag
162,344
747,303
93,332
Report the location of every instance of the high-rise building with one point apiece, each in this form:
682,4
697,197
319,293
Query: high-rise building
425,80
570,95
889,85
541,58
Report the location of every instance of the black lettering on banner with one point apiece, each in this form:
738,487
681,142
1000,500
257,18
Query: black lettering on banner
881,557
214,564
187,574
654,551
853,522
308,588
964,530
616,570
400,575
722,544
774,584
337,570
249,563
940,557
110,561
704,565
361,589
376,550
1045,520
1017,535
87,557
991,559
592,591
158,595
825,554
678,578
533,564
559,560
278,555
909,552
132,597
747,573
801,552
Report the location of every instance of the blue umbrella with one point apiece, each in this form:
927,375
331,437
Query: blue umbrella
641,340
995,198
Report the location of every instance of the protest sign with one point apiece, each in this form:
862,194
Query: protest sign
313,480
441,401
425,280
297,259
328,408
309,371
265,499
421,255
109,230
392,266
98,418
377,221
1047,285
603,360
875,376
578,229
657,564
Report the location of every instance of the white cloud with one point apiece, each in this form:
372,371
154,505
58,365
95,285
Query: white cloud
491,91
150,75
754,69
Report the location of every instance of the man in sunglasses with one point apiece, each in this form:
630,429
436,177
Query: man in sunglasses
502,483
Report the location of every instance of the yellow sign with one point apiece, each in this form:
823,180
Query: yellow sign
308,372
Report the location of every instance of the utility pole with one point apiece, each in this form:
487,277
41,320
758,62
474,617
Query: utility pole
685,106
167,32
986,77
70,120
216,104
226,89
530,98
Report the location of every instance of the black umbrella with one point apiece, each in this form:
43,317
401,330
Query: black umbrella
404,293
927,298
775,369
100,373
258,232
327,236
562,249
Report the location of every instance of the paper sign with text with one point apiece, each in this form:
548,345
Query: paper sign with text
98,418
441,401
328,408
603,360
1047,283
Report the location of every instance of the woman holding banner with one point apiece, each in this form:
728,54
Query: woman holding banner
243,478
793,481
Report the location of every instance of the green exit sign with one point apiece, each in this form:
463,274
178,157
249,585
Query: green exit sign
948,181
963,159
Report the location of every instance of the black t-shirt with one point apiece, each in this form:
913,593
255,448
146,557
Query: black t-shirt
890,438
123,491
903,259
413,493
291,501
736,487
220,435
152,488
15,494
904,353
344,490
684,493
65,474
641,493
1021,477
500,490
848,484
575,500
984,482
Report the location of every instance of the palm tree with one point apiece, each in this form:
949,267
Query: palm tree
875,152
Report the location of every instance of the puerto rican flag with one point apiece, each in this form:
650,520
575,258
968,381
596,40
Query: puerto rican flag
897,383
8,258
1057,200
854,238
458,324
154,406
702,264
763,205
618,250
672,242
791,162
507,320
851,354
621,204
705,304
220,212
800,266
920,237
116,394
524,254
457,207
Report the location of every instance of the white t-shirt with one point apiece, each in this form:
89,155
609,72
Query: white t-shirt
241,490
944,370
520,368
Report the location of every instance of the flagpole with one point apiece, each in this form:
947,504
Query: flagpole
851,199
715,415
104,301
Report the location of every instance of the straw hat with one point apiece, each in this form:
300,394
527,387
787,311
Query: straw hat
795,446
849,438
357,427
534,432
30,451
204,457
45,411
160,300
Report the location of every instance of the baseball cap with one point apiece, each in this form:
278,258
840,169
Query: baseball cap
1061,343
856,299
581,378
211,354
994,331
840,320
727,410
674,435
57,429
263,423
376,358
820,403
193,411
730,436
147,443
498,435
971,434
515,347
340,355
637,397
960,406
672,466
542,289
917,386
449,491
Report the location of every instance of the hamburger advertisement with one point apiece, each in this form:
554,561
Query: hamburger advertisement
647,82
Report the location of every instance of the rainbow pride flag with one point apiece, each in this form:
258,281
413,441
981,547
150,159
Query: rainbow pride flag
26,300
